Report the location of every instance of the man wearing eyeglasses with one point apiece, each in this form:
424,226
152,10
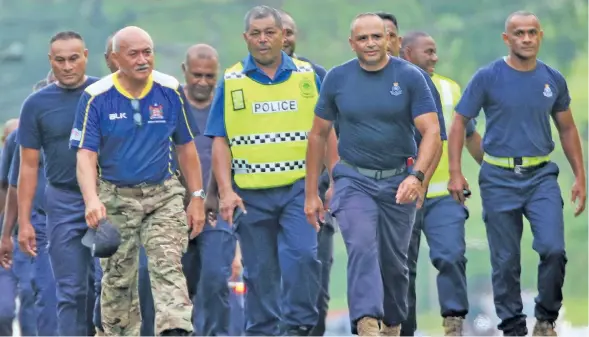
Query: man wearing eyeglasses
128,124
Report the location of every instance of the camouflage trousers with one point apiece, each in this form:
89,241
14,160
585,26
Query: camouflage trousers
153,216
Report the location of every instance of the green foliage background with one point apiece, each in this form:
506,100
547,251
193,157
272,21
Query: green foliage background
467,34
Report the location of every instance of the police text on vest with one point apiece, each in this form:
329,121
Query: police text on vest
275,106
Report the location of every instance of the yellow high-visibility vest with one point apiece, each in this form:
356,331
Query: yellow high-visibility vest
267,126
450,95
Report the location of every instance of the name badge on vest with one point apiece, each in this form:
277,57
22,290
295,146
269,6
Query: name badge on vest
275,106
237,100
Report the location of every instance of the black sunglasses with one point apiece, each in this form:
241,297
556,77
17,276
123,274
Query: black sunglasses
136,112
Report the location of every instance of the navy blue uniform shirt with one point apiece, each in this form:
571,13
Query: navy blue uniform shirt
6,159
216,122
133,151
517,106
39,200
204,145
46,120
375,111
319,70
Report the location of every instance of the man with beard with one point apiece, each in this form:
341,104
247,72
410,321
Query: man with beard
377,182
145,295
441,218
260,117
519,95
45,126
213,257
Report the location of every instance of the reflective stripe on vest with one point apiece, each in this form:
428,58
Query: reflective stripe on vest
267,126
449,95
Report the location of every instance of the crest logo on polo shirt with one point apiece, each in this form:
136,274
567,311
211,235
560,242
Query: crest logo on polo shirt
156,111
396,90
547,92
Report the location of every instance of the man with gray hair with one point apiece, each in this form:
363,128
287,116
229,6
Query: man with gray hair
259,119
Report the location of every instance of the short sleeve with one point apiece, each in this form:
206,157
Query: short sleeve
29,133
326,107
563,100
422,99
14,168
6,158
186,128
86,129
473,98
320,71
471,127
216,122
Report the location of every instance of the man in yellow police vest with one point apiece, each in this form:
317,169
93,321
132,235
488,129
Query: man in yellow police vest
441,218
260,116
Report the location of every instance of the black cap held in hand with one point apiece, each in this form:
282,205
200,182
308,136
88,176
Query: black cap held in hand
103,241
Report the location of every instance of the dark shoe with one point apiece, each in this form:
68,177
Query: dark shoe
175,332
298,331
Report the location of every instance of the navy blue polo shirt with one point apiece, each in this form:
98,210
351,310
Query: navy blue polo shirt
46,121
6,159
216,122
518,106
375,111
204,145
39,200
132,153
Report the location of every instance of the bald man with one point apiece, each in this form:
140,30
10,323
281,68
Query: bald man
210,256
145,295
138,190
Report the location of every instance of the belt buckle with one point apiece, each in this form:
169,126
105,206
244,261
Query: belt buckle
518,169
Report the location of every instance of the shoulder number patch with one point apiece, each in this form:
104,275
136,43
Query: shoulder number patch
76,135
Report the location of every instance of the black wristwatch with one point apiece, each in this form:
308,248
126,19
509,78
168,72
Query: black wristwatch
419,175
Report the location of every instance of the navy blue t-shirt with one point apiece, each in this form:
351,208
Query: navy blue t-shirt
6,159
134,142
39,200
46,121
204,144
375,111
517,106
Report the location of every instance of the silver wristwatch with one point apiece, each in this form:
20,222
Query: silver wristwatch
199,194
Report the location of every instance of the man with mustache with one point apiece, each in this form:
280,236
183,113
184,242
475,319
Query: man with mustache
140,115
519,95
145,295
45,126
213,258
261,113
377,184
441,218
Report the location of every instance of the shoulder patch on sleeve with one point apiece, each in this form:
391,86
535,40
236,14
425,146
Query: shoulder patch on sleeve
100,86
165,80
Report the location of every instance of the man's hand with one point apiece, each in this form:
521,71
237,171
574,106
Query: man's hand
227,204
314,210
95,211
236,268
195,214
6,249
457,185
409,190
579,196
26,239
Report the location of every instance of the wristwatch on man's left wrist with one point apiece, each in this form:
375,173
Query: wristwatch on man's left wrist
199,194
418,174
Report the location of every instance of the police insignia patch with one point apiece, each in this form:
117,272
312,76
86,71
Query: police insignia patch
307,88
396,90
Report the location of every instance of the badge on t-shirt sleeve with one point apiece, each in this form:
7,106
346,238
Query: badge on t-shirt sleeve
76,135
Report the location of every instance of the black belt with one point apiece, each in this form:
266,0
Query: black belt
377,174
